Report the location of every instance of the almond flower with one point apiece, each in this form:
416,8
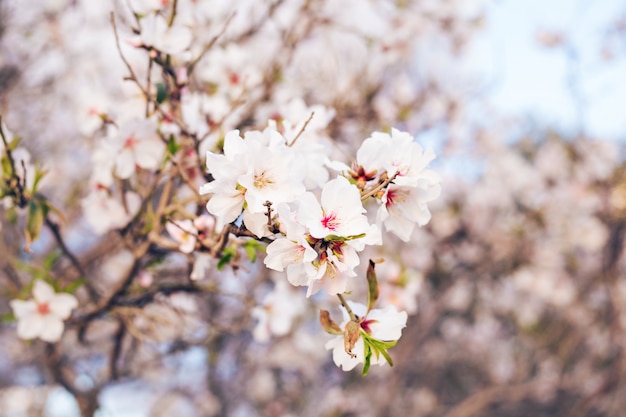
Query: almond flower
380,324
43,316
184,232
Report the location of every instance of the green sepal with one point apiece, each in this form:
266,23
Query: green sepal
335,238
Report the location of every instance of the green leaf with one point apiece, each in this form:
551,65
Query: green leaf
8,318
172,146
11,214
161,95
39,174
74,285
372,286
368,359
14,143
50,260
381,344
34,222
7,171
227,255
252,247
379,347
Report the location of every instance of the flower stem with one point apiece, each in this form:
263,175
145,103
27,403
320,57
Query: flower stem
345,305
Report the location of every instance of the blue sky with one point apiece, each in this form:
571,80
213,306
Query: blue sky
529,81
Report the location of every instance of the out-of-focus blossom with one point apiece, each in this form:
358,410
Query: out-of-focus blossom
276,314
184,232
104,212
156,33
43,316
138,145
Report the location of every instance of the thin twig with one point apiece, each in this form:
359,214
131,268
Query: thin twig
133,76
206,49
14,177
380,186
54,228
173,15
302,129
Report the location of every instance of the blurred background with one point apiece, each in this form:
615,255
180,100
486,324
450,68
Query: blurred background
516,289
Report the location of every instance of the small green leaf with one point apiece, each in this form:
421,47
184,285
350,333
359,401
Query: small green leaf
34,222
227,255
11,214
172,145
372,286
74,285
8,318
252,247
14,143
39,174
50,260
7,171
379,347
368,359
161,95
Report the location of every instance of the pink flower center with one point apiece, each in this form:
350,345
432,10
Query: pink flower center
365,325
330,221
391,195
130,142
43,309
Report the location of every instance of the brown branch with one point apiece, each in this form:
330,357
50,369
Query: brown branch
56,232
133,76
302,129
208,46
381,186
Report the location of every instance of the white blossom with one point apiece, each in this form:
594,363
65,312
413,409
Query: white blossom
43,316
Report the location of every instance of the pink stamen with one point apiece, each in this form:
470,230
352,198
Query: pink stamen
365,325
330,221
391,195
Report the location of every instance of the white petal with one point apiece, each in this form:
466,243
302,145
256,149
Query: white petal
62,305
42,292
23,309
30,326
125,164
52,329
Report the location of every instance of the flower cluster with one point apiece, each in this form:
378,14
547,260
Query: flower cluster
317,233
